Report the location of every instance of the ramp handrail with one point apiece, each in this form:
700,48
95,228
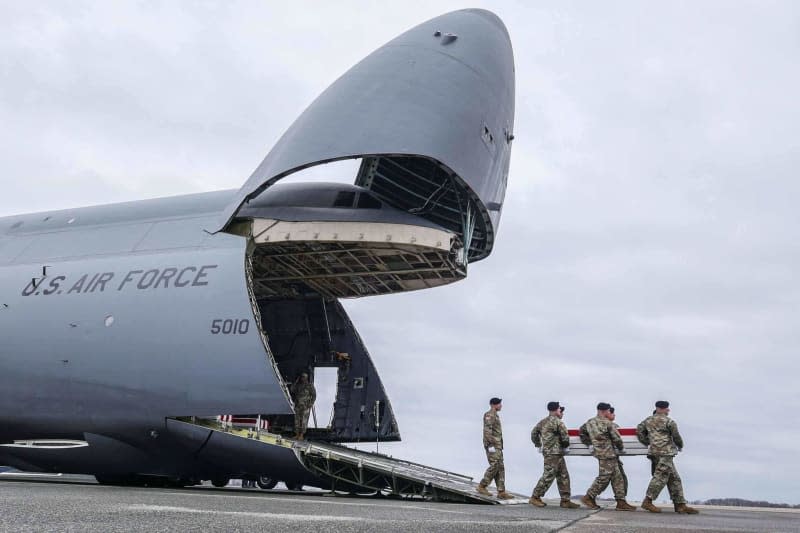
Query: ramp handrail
372,459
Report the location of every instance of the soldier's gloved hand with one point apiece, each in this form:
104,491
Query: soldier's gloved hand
565,450
590,448
490,449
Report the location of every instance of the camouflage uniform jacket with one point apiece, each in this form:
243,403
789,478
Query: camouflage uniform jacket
551,435
600,433
492,430
660,433
304,394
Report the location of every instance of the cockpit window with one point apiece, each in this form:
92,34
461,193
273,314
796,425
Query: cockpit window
367,201
344,199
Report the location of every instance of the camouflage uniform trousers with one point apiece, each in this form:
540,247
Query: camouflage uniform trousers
619,482
666,474
555,468
670,486
603,479
301,413
496,470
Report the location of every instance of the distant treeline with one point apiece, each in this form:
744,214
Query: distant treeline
739,502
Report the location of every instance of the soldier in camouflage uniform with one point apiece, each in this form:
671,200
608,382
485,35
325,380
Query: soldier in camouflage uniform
551,437
493,444
599,433
653,463
304,395
660,433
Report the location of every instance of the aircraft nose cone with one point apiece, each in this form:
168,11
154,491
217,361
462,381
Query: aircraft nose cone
476,37
441,96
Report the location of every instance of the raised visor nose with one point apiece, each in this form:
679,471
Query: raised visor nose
430,114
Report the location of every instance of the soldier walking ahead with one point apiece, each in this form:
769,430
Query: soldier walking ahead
493,444
660,433
550,435
600,433
653,464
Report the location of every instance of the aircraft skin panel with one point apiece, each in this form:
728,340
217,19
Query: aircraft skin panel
143,335
443,90
239,454
156,209
116,239
99,240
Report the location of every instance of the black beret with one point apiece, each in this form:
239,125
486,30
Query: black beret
603,406
552,406
661,404
495,401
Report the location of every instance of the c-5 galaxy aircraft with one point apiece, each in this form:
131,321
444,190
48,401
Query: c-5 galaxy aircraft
128,329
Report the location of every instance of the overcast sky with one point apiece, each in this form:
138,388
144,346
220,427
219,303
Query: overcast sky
649,243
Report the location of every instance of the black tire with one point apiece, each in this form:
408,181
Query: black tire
220,482
266,483
294,485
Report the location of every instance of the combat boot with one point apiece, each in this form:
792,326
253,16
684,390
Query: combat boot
589,502
483,490
648,505
536,501
622,505
566,504
682,508
503,495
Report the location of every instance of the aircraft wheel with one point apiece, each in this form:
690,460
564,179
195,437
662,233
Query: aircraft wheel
292,485
266,483
220,482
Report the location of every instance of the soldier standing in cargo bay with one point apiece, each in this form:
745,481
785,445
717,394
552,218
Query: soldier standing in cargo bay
493,444
660,433
550,435
304,396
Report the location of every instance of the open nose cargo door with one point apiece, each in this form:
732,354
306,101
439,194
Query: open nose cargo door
431,115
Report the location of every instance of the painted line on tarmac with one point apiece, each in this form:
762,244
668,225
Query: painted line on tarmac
317,518
753,509
301,499
250,514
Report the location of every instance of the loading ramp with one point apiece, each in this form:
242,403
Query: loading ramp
347,467
393,476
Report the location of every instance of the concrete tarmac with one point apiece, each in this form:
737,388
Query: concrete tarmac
72,503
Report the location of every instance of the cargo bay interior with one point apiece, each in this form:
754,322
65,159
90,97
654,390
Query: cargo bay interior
311,333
